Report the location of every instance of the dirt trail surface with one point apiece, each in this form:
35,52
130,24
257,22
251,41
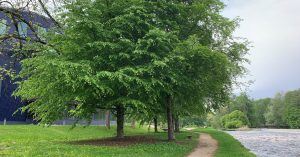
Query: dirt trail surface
270,142
206,148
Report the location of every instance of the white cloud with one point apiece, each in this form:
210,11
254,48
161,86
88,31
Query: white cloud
274,28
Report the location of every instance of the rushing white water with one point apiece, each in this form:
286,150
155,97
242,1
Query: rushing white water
270,142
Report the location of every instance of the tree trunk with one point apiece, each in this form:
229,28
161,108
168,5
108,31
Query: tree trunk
171,135
120,121
133,123
176,120
155,124
173,121
107,119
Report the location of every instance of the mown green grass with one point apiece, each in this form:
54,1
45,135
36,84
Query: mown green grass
228,146
37,141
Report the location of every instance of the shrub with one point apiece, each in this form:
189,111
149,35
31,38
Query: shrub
235,119
234,124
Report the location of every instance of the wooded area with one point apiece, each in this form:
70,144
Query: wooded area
281,111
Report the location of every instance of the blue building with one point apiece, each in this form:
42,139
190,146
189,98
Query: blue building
8,103
9,24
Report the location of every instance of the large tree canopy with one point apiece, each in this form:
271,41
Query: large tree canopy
135,56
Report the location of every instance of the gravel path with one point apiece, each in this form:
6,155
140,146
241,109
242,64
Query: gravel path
270,142
206,148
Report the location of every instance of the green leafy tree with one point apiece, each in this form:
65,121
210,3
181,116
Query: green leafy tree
177,57
95,64
245,104
260,108
292,113
205,42
275,113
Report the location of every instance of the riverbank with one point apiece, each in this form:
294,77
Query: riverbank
228,146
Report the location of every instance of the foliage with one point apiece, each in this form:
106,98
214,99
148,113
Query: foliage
275,113
235,119
214,119
227,145
282,111
244,104
260,108
193,121
241,103
292,113
293,117
142,57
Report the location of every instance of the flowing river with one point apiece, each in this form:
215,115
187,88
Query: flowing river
270,142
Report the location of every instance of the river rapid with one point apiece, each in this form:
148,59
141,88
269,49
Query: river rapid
270,142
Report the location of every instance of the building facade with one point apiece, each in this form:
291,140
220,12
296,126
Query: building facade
14,25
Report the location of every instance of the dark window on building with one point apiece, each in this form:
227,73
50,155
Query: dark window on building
2,26
22,27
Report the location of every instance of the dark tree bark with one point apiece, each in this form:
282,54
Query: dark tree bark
176,121
120,121
107,119
155,124
171,135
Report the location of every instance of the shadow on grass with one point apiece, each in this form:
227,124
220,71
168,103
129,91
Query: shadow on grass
154,138
126,141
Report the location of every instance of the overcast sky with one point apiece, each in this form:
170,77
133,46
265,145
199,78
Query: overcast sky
273,27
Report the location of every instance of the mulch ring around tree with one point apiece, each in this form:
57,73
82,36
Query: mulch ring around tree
112,141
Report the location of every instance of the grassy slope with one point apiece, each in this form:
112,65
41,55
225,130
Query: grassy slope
29,141
228,146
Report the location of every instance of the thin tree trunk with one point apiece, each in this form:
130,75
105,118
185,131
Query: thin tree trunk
155,124
120,121
133,123
171,135
176,120
107,119
173,121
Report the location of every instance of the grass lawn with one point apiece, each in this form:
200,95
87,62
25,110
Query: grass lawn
54,141
35,141
228,146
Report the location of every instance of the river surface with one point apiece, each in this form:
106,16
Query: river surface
270,142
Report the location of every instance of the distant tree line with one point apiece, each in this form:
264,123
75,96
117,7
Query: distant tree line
281,111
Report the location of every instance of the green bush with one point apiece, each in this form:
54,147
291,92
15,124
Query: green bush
235,119
293,117
234,124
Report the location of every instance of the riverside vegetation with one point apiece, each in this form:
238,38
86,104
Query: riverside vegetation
281,111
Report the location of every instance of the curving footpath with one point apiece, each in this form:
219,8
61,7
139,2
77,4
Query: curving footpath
206,148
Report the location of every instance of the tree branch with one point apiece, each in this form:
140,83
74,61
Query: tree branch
48,13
